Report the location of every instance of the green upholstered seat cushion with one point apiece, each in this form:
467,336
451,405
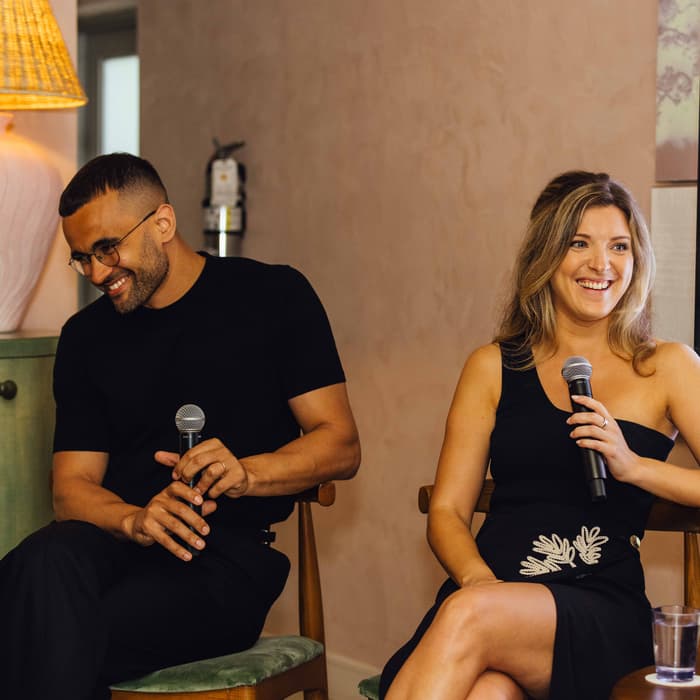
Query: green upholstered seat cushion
269,656
369,687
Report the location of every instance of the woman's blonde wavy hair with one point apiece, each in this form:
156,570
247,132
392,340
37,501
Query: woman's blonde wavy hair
529,319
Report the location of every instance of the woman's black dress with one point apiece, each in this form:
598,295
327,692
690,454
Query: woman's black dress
543,527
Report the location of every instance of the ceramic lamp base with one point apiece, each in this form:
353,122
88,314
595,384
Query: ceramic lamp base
30,186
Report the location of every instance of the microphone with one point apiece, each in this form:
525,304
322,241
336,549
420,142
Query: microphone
577,372
189,420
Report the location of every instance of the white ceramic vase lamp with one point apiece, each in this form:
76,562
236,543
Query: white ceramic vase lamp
35,73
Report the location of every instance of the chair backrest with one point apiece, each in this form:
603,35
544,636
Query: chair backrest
665,516
310,602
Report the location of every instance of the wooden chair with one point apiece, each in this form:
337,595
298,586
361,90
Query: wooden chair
665,516
275,667
369,687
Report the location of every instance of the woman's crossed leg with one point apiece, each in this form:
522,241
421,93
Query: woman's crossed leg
493,640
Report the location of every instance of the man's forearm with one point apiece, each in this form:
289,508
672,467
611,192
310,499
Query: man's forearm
79,499
323,454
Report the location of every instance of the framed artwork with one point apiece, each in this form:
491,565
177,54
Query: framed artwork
677,89
673,233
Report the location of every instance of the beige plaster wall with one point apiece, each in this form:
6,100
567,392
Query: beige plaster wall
394,148
55,296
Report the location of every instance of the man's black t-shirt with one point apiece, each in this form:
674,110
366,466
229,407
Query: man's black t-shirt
242,341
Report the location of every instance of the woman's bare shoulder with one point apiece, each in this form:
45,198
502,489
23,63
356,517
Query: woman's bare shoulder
485,359
481,376
672,361
669,354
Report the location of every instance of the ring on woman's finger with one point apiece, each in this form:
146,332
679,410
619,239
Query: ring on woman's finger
605,423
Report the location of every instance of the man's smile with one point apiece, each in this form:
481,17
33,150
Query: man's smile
115,286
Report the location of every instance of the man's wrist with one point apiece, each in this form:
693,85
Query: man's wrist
126,526
251,477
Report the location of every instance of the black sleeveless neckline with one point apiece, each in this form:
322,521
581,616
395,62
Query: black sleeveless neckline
563,411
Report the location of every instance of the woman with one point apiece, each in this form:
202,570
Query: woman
548,601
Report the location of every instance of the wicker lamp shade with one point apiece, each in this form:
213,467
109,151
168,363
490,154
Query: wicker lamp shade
36,71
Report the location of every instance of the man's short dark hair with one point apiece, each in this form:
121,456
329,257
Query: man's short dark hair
116,171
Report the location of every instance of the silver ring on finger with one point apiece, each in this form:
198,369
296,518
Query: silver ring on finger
605,423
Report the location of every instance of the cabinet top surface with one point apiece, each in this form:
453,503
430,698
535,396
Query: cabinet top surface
28,344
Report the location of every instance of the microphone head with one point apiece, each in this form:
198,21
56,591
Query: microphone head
576,367
189,418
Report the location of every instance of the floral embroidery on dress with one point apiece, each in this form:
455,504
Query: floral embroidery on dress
560,552
588,544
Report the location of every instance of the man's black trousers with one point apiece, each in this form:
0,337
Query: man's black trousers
83,610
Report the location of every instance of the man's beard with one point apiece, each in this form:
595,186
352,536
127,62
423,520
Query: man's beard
146,281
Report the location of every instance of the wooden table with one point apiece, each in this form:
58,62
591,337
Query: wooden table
634,687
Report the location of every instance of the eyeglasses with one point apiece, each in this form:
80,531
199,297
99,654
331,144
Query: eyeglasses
106,253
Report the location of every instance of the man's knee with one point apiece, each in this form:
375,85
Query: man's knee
61,539
58,549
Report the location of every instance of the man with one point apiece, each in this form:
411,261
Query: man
131,577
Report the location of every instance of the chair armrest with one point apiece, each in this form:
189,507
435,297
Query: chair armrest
310,601
323,494
425,493
672,517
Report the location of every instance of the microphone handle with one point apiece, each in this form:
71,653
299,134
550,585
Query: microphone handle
189,439
593,463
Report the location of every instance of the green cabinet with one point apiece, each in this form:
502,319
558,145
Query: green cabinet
26,433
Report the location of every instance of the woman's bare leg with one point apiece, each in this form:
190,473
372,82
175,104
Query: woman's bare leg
506,627
494,685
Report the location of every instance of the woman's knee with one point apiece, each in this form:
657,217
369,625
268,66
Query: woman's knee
494,685
463,618
468,607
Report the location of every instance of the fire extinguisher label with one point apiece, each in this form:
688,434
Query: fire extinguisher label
224,183
223,219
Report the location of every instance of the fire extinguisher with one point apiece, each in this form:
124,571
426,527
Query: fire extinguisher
224,201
